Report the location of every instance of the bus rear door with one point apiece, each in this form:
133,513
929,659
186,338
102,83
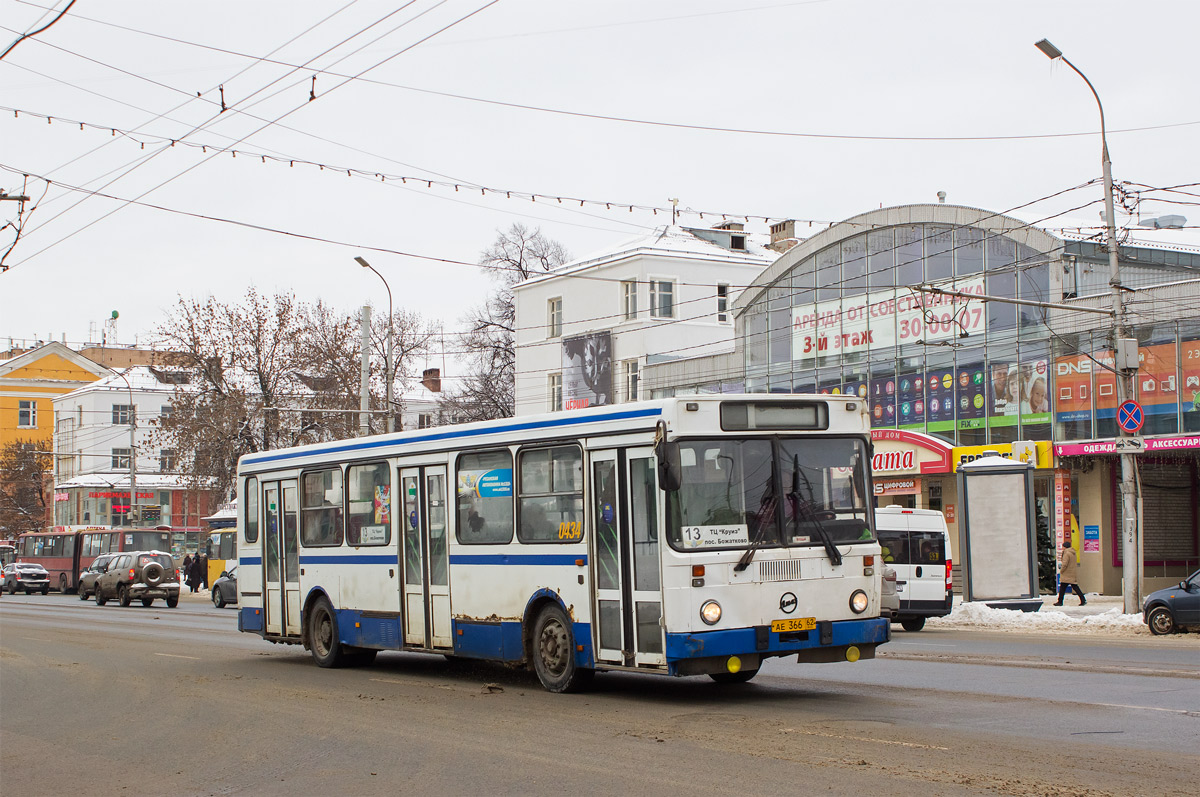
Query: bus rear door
281,560
625,549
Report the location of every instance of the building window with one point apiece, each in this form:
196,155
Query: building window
631,380
424,420
554,318
166,411
662,299
555,392
120,458
166,460
122,414
629,297
723,304
27,414
737,242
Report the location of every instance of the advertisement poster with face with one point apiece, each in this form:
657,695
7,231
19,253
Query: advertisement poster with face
587,371
1035,392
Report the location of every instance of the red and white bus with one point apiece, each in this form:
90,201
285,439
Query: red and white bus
66,550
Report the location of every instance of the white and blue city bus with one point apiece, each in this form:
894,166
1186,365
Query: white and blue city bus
688,536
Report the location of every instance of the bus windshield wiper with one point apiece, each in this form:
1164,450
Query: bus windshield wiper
835,556
766,510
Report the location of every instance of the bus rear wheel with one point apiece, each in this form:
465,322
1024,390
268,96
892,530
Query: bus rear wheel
554,652
323,639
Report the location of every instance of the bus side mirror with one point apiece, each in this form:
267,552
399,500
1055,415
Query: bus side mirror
670,471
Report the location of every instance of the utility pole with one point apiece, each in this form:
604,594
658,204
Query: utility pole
1125,362
364,390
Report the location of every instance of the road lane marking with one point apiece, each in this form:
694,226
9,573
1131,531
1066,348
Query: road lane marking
1183,711
177,656
37,639
865,739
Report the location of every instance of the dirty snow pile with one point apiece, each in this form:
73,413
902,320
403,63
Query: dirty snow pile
980,615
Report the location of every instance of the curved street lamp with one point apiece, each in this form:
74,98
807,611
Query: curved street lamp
1130,533
387,363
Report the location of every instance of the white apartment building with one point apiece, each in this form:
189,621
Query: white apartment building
94,451
586,330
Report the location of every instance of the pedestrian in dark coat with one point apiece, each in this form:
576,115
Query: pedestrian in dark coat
185,568
202,560
193,574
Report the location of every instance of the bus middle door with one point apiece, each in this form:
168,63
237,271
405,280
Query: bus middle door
425,599
625,542
281,559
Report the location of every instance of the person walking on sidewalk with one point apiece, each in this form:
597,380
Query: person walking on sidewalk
1068,573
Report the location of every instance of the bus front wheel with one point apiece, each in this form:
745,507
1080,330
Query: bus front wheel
554,652
323,636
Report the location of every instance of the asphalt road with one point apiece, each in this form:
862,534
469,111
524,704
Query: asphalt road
111,700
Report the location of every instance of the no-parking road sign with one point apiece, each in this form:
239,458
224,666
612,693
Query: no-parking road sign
1130,416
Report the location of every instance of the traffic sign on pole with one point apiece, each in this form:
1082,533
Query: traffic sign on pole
1130,416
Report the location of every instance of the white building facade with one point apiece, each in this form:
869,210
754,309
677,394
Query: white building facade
95,449
587,330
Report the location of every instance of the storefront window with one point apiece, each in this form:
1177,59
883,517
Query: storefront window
829,274
939,253
780,319
755,335
970,391
1032,283
1001,280
854,265
1157,379
1004,390
881,259
968,251
909,252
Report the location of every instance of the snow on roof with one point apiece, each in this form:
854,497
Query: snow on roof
675,241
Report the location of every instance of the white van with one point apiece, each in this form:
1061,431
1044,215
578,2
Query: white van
916,544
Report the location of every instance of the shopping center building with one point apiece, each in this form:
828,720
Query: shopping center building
855,310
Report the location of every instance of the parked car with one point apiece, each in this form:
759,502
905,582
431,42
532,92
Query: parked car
144,575
27,576
87,578
224,591
1175,608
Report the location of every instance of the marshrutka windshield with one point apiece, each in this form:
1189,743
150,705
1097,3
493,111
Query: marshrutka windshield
769,492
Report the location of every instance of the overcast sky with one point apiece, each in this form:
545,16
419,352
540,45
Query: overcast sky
838,68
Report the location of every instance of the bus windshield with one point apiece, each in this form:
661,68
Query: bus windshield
769,492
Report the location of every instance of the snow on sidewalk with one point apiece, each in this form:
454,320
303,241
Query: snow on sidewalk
1100,616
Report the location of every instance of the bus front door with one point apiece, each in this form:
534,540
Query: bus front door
281,559
426,590
625,548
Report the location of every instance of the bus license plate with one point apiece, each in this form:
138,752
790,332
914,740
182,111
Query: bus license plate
794,624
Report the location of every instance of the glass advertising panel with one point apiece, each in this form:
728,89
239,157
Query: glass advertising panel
1189,354
1073,397
910,399
939,401
1157,387
969,395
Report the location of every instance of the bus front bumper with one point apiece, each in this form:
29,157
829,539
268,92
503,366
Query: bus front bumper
701,652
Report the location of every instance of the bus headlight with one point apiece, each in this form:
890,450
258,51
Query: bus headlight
858,602
710,612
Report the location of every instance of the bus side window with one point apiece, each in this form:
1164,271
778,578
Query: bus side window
551,505
369,498
251,516
485,497
321,519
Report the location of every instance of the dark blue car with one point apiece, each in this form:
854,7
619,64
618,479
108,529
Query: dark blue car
1175,608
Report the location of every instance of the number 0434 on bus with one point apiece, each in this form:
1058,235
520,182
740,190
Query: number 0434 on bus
688,536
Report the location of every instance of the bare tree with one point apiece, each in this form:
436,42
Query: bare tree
24,479
488,388
269,373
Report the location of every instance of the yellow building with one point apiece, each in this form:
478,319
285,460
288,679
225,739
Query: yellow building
29,382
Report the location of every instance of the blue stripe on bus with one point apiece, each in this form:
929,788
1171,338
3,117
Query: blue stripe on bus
451,435
250,560
332,559
517,559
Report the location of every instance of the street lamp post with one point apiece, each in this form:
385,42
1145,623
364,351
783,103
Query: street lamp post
387,364
1126,359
